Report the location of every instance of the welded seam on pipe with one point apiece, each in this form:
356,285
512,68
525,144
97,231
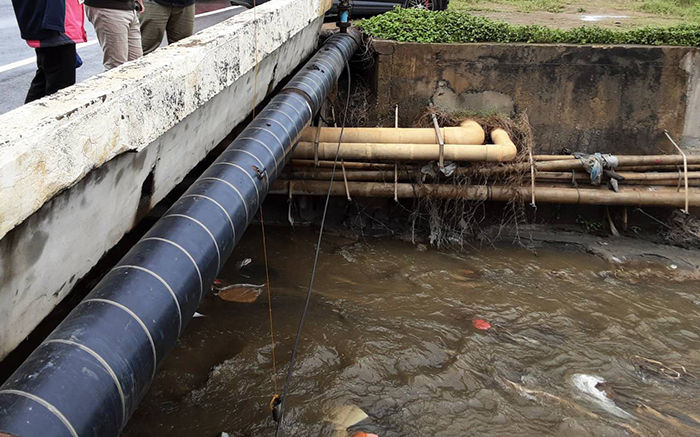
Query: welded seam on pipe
310,74
305,98
162,281
245,206
262,166
234,165
296,130
46,404
274,159
291,106
303,95
307,89
183,250
104,364
137,319
233,229
281,125
271,133
213,239
329,68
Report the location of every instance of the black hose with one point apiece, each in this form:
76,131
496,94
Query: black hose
290,368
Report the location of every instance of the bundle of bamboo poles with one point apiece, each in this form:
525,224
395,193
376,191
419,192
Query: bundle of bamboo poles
461,143
386,162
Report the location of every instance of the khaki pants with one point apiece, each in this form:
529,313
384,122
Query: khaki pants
157,20
118,33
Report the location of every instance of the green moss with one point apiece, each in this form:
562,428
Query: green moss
417,25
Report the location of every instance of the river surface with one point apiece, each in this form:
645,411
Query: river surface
391,330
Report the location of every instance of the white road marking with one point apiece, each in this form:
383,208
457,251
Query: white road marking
206,14
32,60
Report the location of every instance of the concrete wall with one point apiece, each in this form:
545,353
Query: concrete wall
78,169
584,98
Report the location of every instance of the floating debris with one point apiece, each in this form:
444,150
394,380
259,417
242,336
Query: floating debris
244,262
344,417
590,385
660,369
240,293
481,324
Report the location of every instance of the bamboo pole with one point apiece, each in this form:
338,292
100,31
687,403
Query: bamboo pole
669,167
626,197
329,164
355,175
413,174
628,160
628,176
573,164
408,152
469,132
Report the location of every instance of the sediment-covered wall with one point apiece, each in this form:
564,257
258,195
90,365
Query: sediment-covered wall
79,168
580,97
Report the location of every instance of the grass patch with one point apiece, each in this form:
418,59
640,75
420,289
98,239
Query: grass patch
685,9
416,25
688,9
519,5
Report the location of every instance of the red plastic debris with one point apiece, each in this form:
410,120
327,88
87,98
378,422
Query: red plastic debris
218,282
481,324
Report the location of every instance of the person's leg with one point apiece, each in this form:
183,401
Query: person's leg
59,68
112,28
55,71
153,22
37,89
181,24
135,48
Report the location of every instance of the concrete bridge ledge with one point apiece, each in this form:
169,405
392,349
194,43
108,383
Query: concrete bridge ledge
68,190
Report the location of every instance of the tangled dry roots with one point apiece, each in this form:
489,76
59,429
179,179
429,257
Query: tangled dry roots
682,230
453,222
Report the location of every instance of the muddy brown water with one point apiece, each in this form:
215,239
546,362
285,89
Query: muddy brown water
390,330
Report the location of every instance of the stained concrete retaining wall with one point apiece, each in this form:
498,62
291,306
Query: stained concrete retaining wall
584,98
79,168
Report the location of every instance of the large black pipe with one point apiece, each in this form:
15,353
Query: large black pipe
88,376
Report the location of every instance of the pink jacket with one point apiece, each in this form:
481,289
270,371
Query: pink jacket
74,25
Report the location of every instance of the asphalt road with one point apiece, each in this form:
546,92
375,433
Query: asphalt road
18,62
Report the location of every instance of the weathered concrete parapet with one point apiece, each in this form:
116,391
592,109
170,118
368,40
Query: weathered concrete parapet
68,190
588,98
49,145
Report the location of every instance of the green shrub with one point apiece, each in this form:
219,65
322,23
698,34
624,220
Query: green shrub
417,25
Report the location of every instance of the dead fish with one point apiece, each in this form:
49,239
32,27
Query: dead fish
240,293
590,385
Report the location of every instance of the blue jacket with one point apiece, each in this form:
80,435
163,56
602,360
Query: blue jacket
40,19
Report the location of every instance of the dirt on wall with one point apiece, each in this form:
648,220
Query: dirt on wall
616,99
